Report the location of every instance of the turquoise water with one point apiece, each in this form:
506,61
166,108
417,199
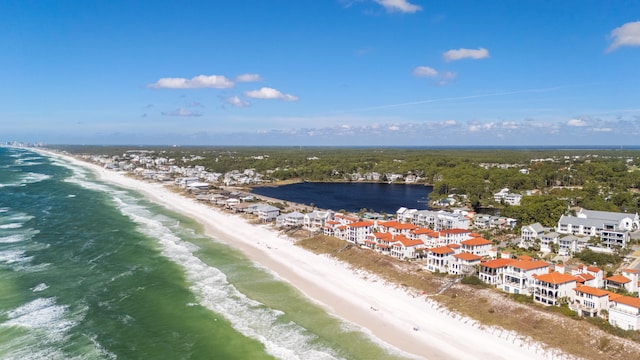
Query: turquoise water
92,271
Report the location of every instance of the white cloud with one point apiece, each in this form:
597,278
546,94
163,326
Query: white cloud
458,54
200,81
237,102
399,5
440,78
270,93
602,129
625,35
248,78
181,112
481,126
394,128
577,122
425,71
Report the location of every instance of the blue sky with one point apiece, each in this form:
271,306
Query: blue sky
321,72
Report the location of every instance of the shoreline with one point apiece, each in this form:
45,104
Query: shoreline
387,312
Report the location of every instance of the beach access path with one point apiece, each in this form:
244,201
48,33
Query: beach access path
409,322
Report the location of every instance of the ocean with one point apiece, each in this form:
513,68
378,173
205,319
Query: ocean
92,271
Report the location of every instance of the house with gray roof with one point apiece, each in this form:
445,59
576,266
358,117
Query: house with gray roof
531,232
612,228
267,213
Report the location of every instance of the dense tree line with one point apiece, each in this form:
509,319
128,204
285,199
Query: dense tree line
594,179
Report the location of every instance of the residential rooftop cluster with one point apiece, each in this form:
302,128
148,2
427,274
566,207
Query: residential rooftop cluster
444,241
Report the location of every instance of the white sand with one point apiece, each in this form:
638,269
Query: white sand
344,292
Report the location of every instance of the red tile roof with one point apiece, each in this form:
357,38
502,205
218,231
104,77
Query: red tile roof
497,263
555,278
593,269
628,300
529,264
441,250
618,279
478,241
407,242
584,277
382,236
419,231
592,291
467,256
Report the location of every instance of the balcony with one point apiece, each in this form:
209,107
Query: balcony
621,310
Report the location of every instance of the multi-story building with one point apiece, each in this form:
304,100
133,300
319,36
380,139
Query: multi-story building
477,246
624,312
589,301
438,258
518,275
612,228
464,263
492,271
550,288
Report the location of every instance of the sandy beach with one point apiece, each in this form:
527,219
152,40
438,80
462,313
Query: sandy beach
407,321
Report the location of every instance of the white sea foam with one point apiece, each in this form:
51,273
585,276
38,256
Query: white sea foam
249,317
47,326
10,257
28,178
42,314
11,238
11,226
32,177
40,287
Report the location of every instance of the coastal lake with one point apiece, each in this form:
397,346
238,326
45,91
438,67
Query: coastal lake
380,197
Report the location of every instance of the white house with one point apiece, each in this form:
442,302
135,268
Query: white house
624,312
589,301
492,271
518,275
464,263
267,213
547,239
529,233
453,236
477,246
627,280
357,232
507,197
395,227
438,258
291,219
440,220
405,248
316,219
549,288
612,228
596,273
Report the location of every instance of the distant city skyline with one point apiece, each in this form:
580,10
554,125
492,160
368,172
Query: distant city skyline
321,72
